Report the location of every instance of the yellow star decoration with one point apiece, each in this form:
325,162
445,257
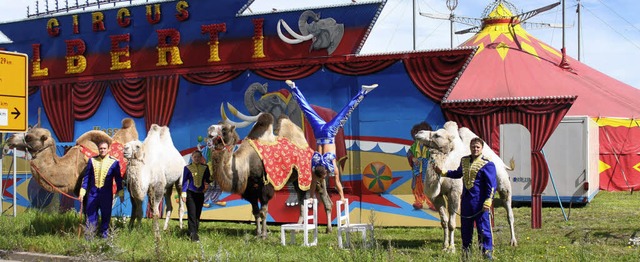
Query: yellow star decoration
637,167
602,166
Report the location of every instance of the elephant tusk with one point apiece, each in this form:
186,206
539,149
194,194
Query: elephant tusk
226,119
223,114
242,116
298,38
238,124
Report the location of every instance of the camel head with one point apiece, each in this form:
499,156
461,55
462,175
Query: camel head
165,135
439,140
34,141
133,150
221,136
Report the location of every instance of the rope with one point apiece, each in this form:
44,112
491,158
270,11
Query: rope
81,219
50,184
474,215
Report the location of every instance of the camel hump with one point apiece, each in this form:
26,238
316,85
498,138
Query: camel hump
288,129
127,123
92,138
262,126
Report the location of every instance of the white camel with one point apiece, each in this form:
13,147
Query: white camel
155,165
447,147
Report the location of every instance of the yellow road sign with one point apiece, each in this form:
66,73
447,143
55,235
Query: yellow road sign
14,85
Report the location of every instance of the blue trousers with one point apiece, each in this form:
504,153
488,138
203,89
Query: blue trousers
103,203
485,235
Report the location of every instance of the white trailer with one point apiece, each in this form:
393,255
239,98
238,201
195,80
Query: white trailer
571,154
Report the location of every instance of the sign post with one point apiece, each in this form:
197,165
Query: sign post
14,83
13,92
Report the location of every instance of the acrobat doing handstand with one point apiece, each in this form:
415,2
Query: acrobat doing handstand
324,161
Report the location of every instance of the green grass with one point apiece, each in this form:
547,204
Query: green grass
599,231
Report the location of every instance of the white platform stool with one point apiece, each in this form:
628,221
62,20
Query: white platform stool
345,226
309,223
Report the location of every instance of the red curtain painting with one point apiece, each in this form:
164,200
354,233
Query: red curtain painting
360,67
160,99
211,78
86,98
130,95
59,109
434,75
289,72
153,97
540,117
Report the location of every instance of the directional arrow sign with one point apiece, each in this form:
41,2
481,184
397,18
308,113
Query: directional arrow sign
13,92
16,112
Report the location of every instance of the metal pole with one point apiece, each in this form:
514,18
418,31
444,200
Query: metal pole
451,5
414,24
579,29
15,185
451,27
563,25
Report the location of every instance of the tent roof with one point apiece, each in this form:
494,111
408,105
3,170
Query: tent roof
511,64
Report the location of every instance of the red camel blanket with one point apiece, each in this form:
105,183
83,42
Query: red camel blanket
280,158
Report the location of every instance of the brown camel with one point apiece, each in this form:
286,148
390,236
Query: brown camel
61,174
243,171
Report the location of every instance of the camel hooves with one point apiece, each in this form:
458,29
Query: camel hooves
449,249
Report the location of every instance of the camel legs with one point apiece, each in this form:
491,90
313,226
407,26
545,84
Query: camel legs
155,197
505,196
136,212
169,206
448,220
454,203
260,215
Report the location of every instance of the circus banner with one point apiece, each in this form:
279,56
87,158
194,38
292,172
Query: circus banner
190,64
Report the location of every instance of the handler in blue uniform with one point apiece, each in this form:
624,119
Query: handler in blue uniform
325,132
193,191
478,174
98,183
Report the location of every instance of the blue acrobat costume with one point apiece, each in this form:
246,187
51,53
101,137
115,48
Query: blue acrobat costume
98,185
479,183
325,132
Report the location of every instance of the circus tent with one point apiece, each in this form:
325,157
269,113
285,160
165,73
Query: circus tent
513,72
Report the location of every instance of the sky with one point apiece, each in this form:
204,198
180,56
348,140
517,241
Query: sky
609,38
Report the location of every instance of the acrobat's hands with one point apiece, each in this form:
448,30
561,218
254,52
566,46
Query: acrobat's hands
290,83
368,88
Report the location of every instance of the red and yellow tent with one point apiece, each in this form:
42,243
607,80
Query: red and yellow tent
512,72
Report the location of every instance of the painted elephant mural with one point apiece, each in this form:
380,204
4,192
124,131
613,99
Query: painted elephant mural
324,33
258,99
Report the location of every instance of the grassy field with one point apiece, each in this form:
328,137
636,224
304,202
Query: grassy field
599,231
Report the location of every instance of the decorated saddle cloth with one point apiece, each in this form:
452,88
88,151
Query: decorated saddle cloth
280,158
